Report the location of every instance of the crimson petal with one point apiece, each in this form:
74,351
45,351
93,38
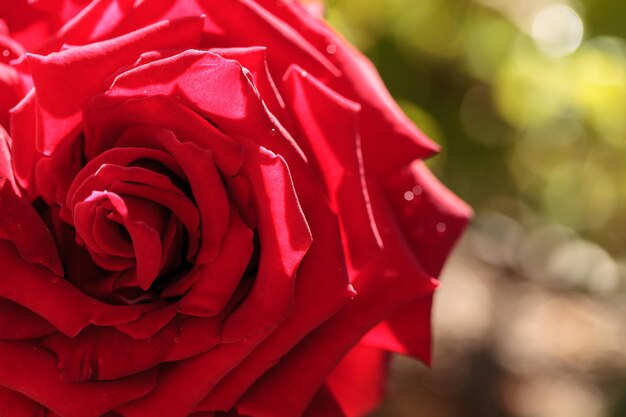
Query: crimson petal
41,382
329,134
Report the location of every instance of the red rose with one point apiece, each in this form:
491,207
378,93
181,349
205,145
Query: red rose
211,216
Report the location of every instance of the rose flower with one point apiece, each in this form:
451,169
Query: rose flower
210,208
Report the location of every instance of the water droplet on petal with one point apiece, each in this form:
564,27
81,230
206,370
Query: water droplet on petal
417,190
145,91
273,132
55,280
441,227
304,74
331,49
6,53
408,196
177,340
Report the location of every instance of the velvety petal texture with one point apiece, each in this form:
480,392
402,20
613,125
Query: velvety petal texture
203,213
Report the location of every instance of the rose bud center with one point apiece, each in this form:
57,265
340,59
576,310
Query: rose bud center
133,216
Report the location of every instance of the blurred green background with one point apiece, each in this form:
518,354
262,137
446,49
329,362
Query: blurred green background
528,99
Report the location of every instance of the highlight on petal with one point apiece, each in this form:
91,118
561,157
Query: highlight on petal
284,237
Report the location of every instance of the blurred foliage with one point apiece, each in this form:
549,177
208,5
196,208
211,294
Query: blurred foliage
528,99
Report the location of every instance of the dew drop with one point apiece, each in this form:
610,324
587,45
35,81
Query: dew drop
417,190
331,49
55,280
177,340
273,132
441,227
145,91
6,53
409,196
304,74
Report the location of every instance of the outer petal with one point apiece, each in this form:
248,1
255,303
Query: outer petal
18,323
103,353
285,44
40,381
95,22
321,289
394,280
59,114
329,135
170,398
14,404
433,219
383,121
358,382
407,332
324,404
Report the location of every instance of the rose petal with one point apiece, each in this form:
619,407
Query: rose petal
103,353
204,180
149,323
433,220
11,91
329,135
254,59
19,323
23,150
223,99
407,332
14,404
41,382
284,239
19,222
42,292
170,398
358,383
95,22
433,217
107,121
324,404
383,122
285,44
321,289
390,282
216,281
55,74
119,157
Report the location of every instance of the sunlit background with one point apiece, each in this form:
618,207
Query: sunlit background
528,99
